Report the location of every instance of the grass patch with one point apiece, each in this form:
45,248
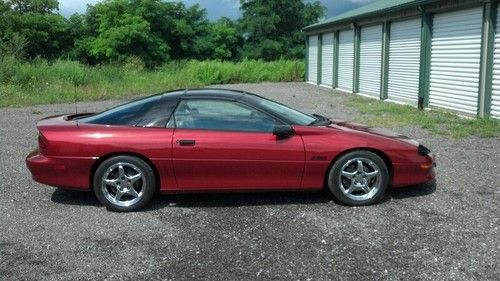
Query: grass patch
42,82
386,114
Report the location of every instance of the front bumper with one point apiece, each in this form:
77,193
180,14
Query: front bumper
419,172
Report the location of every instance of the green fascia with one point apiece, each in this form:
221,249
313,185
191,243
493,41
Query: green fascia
374,9
320,44
487,57
335,81
357,44
307,59
384,79
425,61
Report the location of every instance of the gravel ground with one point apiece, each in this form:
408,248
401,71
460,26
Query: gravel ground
446,230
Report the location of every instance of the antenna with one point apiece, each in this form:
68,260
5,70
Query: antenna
77,79
76,99
75,82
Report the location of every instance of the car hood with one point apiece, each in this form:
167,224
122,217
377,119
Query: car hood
347,125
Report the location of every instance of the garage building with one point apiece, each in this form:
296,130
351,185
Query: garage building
426,53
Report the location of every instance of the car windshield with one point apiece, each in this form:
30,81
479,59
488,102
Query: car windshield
297,117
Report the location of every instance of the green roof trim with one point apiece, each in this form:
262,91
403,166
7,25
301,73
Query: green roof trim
377,7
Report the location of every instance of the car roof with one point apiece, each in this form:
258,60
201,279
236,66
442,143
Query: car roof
213,93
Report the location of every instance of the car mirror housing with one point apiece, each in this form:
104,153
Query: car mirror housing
283,131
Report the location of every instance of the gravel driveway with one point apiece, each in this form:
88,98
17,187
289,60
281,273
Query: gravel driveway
446,230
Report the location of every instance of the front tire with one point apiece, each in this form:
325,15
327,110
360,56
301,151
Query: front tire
124,183
358,178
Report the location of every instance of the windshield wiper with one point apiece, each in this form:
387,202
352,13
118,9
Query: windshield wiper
320,120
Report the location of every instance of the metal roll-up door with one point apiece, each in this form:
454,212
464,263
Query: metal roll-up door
370,60
346,60
312,63
404,61
455,60
495,91
327,59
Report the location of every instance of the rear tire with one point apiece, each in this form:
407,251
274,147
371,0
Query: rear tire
358,178
124,183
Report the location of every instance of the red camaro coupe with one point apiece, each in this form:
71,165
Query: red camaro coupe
206,140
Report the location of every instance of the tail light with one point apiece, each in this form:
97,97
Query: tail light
42,142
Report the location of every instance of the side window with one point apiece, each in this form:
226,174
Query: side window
221,115
159,114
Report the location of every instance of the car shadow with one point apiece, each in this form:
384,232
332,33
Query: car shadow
74,197
202,200
413,191
237,199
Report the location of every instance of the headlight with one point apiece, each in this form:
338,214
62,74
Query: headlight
422,150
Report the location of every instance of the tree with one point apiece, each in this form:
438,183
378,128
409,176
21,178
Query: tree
152,30
13,46
123,32
77,32
272,28
44,31
226,40
221,42
34,6
189,25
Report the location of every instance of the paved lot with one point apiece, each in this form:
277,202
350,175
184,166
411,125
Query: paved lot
446,230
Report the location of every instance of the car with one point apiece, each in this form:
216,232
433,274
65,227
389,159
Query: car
211,140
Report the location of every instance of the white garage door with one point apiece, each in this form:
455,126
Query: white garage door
495,93
327,59
404,61
346,60
312,63
370,60
455,59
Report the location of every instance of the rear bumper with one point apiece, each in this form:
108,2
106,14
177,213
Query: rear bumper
65,172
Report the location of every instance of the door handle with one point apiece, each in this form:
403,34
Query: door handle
186,142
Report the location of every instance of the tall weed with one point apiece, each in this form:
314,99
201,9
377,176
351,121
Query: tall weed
38,82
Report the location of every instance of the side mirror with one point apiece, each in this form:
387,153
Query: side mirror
283,131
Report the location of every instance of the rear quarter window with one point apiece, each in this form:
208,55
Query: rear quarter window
148,112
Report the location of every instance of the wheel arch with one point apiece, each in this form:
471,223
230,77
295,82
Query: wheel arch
133,154
380,153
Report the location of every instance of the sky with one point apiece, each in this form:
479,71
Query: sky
218,8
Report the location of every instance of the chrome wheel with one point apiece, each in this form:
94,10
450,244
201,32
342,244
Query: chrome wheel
123,184
360,179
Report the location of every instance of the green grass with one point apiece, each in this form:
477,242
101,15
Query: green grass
386,114
41,82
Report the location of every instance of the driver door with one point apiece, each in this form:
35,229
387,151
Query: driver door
224,144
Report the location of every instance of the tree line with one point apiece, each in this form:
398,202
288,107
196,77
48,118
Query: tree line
154,32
